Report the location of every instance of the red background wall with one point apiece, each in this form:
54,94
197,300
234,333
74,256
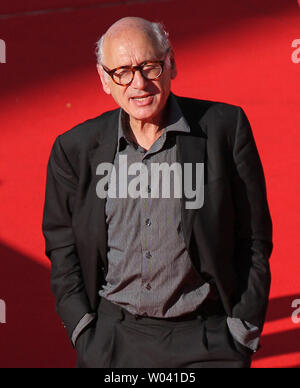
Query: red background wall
19,6
232,51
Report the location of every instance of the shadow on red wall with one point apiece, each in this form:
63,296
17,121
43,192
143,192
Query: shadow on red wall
33,336
20,6
283,342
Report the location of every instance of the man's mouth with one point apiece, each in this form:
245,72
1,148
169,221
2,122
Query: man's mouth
142,100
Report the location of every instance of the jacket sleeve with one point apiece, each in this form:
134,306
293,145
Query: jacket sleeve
253,228
66,277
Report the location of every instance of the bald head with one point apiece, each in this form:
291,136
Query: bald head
133,23
138,50
129,27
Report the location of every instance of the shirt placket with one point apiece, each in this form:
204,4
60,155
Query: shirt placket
148,232
146,237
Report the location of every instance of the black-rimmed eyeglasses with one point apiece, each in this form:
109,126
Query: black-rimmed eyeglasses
123,75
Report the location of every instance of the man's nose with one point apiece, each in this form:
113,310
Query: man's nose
138,82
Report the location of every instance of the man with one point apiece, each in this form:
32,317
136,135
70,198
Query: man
145,280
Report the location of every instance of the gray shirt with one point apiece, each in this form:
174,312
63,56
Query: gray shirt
149,268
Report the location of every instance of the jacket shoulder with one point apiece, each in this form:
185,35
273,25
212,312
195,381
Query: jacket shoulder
206,110
85,135
74,145
220,120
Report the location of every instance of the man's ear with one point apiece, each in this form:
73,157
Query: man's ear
104,80
173,65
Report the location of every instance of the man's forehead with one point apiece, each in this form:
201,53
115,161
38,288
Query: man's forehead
131,45
131,37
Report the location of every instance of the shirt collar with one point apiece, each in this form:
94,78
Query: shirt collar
176,122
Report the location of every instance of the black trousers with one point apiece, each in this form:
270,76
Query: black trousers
119,339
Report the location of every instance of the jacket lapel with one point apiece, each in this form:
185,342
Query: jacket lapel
191,148
104,152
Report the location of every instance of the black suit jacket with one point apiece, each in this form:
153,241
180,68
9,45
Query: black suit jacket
229,239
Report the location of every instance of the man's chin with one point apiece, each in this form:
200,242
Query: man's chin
143,114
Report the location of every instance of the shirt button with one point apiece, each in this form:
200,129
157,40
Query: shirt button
148,255
148,222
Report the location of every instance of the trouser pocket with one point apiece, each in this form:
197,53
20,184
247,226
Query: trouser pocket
96,346
82,344
243,350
